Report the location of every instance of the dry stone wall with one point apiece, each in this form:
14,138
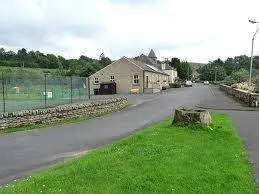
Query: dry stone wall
251,99
61,112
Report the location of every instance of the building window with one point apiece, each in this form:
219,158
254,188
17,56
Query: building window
96,80
135,79
112,78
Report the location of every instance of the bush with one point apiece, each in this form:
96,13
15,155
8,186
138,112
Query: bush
246,86
237,77
256,90
175,85
165,87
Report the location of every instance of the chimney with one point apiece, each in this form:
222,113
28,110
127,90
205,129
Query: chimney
163,66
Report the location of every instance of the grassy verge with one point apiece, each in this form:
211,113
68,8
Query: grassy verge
160,159
78,119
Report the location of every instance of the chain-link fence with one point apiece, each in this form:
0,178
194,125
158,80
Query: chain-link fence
21,92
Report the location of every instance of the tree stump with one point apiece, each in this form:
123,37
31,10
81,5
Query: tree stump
192,116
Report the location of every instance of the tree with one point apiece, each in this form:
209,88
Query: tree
9,55
105,61
53,61
42,61
175,62
212,72
2,53
238,76
184,70
22,52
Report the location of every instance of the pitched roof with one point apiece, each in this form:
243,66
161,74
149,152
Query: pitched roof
152,54
145,59
146,67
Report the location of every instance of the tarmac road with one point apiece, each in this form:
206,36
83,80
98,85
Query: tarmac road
23,152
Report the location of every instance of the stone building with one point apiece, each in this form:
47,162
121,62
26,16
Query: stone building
130,75
151,59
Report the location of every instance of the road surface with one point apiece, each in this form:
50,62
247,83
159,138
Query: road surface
23,152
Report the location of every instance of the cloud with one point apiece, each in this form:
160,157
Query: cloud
191,30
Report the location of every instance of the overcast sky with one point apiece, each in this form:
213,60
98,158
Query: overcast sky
198,31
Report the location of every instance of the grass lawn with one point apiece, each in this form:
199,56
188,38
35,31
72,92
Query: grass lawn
159,159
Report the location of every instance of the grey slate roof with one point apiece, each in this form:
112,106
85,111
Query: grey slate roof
146,67
152,54
145,59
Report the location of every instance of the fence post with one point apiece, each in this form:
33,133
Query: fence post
45,84
88,87
3,86
71,89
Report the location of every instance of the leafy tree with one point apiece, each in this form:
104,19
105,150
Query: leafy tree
238,76
214,71
43,61
9,55
175,62
53,61
2,53
22,52
184,70
105,61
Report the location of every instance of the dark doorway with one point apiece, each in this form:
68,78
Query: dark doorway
107,88
146,81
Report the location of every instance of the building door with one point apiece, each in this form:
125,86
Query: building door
146,81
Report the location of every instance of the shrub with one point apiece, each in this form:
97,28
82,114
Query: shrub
237,77
256,90
245,86
175,85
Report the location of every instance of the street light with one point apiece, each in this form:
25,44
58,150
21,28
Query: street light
251,63
215,71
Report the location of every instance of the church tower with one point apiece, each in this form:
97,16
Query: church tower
152,55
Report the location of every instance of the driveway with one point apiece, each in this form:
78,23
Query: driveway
23,152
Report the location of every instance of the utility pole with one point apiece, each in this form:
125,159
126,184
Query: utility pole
252,50
215,75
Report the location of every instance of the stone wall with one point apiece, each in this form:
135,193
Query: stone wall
62,112
251,99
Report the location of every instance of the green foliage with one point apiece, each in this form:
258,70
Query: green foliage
84,66
184,70
238,76
214,71
175,62
175,85
257,86
159,159
227,68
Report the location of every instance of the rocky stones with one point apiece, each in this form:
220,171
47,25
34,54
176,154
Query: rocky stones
192,116
61,112
251,99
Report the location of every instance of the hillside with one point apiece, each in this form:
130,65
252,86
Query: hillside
35,62
196,66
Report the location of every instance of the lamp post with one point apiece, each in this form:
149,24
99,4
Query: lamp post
252,50
215,76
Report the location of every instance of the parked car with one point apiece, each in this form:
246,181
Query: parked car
188,83
206,82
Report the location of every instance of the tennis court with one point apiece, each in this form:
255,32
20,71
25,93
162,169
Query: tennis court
19,92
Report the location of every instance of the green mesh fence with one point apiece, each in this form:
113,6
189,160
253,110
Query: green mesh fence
20,92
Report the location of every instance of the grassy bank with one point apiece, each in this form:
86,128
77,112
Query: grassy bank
159,159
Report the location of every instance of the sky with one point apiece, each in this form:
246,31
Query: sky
194,31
